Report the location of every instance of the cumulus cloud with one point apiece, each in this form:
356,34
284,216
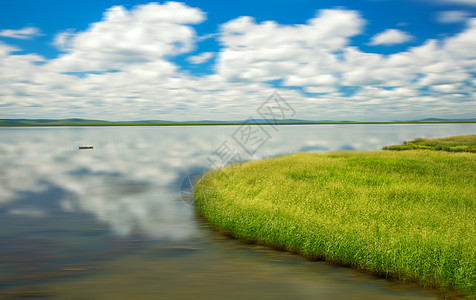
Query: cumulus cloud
146,33
25,33
200,58
453,16
391,37
300,55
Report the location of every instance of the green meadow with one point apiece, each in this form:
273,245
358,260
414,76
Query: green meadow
461,143
406,215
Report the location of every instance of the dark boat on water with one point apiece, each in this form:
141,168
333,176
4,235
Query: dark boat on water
85,147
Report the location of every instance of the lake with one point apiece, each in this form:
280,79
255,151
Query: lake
117,221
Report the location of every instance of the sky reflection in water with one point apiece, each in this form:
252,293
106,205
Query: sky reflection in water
130,181
110,223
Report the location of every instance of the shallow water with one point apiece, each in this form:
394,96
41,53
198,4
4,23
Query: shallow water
111,222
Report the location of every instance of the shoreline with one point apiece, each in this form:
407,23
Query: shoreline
443,293
236,124
223,199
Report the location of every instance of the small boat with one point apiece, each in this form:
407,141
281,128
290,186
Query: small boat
85,147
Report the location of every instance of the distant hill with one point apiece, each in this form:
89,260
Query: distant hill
30,122
74,122
446,120
86,122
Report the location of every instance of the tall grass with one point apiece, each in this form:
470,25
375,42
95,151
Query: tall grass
461,143
405,215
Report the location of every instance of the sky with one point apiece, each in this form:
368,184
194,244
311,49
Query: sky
360,60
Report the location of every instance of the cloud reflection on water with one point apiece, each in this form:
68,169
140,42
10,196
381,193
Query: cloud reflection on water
130,180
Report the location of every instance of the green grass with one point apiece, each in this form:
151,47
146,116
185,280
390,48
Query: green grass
462,143
409,216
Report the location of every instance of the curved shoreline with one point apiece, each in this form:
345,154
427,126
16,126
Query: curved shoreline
346,228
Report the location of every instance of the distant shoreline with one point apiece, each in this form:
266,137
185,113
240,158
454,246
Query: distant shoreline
233,123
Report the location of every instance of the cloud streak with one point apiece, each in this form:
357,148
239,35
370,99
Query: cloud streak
25,33
453,16
391,37
200,58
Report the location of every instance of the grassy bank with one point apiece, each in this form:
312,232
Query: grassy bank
404,215
461,143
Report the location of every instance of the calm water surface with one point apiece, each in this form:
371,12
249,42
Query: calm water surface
110,223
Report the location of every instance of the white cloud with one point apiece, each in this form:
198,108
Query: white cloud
453,16
200,58
433,79
25,33
5,50
64,40
17,71
297,54
391,37
463,44
145,33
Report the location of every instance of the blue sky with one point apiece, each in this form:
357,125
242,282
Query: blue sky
194,60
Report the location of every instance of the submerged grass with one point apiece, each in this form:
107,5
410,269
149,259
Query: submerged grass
405,215
461,143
